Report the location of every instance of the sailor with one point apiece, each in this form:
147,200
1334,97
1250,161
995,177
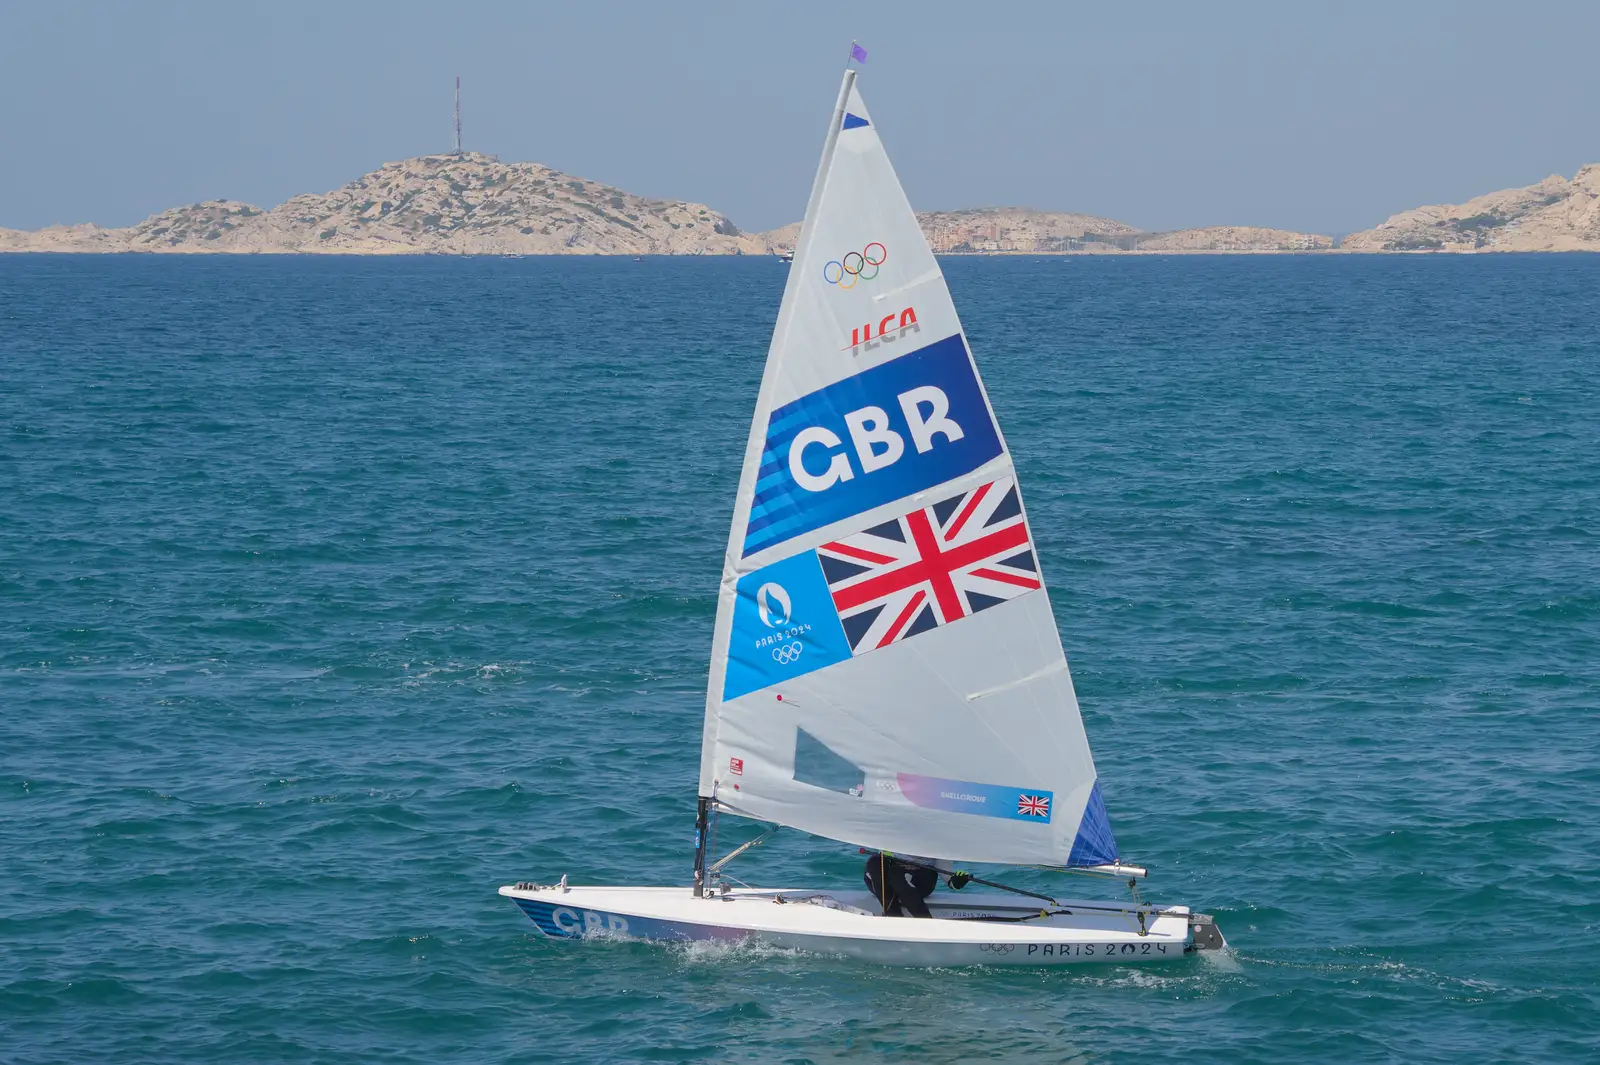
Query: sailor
901,884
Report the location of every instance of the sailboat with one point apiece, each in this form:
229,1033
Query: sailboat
885,667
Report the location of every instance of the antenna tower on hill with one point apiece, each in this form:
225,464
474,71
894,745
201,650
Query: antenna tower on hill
458,114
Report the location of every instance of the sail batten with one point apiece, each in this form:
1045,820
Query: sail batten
885,667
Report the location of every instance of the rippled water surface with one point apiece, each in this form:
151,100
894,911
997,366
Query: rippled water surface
335,593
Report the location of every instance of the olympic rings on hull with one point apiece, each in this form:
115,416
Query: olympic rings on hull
854,266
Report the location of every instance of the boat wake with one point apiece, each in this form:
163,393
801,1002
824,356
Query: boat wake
722,951
1225,960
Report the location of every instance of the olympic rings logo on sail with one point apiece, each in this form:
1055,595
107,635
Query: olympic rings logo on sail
786,654
834,271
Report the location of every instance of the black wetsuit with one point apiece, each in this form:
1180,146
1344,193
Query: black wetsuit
899,886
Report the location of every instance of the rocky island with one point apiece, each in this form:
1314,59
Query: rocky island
1554,215
474,204
467,204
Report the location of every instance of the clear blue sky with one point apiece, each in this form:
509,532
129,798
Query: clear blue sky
1305,115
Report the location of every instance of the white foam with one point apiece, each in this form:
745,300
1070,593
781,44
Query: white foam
722,951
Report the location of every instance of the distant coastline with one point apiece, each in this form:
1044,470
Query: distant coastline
474,204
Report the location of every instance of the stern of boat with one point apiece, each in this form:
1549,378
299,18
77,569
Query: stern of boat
1204,933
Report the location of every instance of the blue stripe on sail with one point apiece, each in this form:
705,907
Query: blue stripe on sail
774,529
763,514
1095,844
764,480
781,423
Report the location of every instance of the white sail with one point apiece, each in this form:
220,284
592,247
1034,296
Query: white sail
885,668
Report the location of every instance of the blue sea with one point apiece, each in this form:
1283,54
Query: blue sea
335,593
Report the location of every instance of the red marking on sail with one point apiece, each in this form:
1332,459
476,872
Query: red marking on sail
858,553
1006,578
966,511
905,616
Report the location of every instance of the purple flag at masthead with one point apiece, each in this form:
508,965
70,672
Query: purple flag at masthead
858,53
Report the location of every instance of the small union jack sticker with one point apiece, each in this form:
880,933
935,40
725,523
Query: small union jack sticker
736,766
1033,805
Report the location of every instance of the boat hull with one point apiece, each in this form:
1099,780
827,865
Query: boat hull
978,929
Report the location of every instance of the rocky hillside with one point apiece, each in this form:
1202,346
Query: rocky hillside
995,229
474,204
1002,229
1020,230
1554,215
1232,238
444,204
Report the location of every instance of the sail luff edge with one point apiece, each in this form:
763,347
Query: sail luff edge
726,592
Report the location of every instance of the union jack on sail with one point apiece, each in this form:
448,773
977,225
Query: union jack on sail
1034,806
935,565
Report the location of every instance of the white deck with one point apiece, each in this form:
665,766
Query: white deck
847,923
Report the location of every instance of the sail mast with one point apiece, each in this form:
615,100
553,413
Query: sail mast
786,311
757,439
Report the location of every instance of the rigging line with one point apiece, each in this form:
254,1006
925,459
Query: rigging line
1015,920
1014,890
990,883
758,841
1137,909
1130,911
883,883
734,811
1079,908
727,807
